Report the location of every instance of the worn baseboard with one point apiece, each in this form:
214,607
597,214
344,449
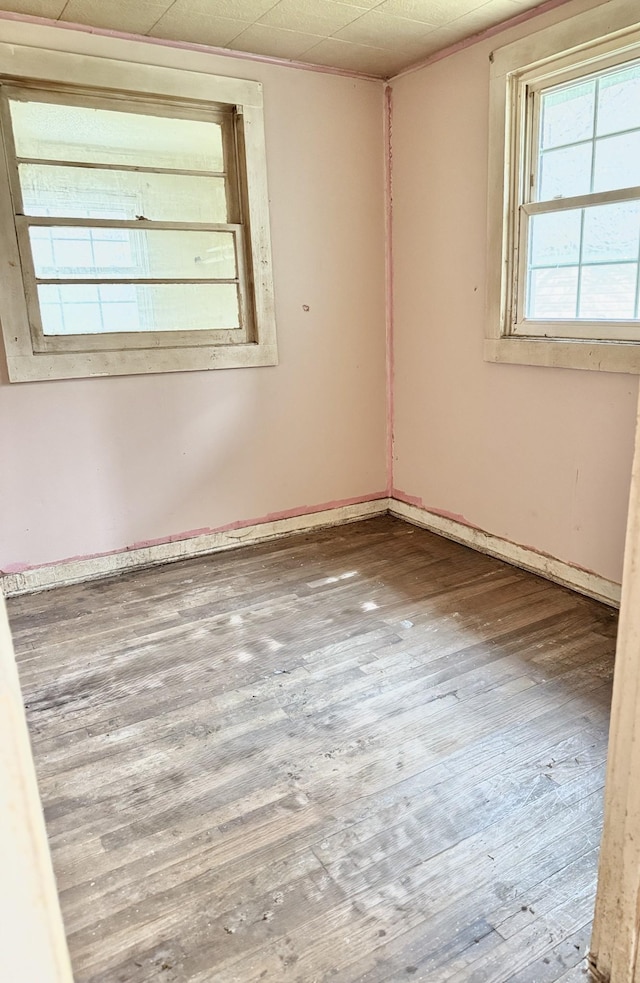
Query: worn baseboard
92,568
560,572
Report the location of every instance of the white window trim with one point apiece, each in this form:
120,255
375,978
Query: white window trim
52,67
584,41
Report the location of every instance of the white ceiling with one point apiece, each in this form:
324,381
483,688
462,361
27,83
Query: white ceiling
377,37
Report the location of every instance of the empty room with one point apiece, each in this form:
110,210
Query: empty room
319,499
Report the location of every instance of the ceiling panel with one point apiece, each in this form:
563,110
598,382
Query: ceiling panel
188,21
384,31
37,8
261,39
320,17
356,57
140,17
375,37
436,12
246,10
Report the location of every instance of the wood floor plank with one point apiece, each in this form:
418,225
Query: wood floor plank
579,974
361,755
565,955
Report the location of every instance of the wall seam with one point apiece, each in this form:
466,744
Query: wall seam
389,291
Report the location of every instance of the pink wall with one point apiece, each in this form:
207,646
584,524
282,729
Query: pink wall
97,465
539,456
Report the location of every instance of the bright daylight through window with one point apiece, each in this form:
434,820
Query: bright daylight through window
564,195
583,263
130,217
140,227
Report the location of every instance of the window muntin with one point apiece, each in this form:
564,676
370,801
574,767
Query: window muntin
140,202
578,274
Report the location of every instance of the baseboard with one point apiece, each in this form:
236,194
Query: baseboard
529,559
92,568
96,567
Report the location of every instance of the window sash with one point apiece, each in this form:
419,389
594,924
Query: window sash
604,329
527,134
135,339
610,329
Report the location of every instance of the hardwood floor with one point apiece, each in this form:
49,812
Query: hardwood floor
362,755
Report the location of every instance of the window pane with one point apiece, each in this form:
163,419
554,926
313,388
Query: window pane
74,253
78,192
42,250
612,232
617,162
135,254
555,238
608,292
565,172
619,101
606,160
567,114
50,131
106,308
553,293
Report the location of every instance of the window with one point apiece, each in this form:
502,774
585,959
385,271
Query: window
564,224
138,239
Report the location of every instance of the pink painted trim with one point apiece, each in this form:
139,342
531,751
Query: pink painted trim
188,46
206,531
443,513
388,269
488,32
455,517
408,499
14,568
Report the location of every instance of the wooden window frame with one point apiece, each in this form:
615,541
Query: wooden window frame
596,40
102,83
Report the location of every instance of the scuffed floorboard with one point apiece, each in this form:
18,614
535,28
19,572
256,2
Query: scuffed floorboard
362,755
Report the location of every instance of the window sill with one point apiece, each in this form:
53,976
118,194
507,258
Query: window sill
599,356
34,368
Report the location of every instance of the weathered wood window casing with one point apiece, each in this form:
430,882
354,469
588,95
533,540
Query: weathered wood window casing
564,195
135,232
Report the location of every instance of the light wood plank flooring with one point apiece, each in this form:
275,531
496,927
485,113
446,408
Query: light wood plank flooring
359,756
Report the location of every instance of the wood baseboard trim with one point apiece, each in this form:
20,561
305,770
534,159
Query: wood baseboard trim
582,581
93,568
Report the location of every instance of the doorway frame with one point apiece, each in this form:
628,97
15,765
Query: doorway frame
34,945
